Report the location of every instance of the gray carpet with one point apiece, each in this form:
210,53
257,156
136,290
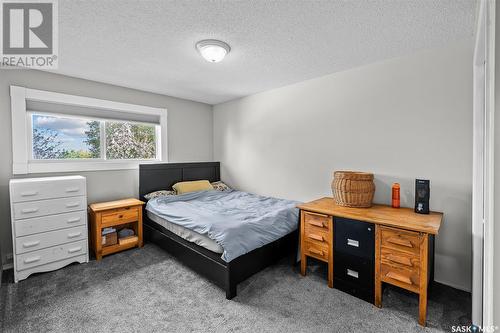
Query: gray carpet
147,290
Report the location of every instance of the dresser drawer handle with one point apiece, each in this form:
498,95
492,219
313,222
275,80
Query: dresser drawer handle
75,249
32,260
74,219
73,204
352,242
316,223
29,193
29,210
72,189
318,252
316,237
400,260
399,241
399,277
75,234
352,273
31,244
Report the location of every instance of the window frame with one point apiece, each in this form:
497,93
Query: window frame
22,152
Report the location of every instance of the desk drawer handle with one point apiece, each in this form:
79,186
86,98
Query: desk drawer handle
74,219
352,273
32,260
316,237
399,241
72,189
29,210
73,204
29,193
31,244
75,234
316,223
399,277
352,242
400,260
75,249
318,252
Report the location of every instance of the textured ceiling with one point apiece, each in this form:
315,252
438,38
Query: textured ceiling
149,45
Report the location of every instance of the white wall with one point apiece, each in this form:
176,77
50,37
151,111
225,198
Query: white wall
400,119
189,131
496,213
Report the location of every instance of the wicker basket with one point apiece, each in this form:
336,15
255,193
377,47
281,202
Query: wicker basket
353,189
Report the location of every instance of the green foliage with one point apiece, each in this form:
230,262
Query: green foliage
76,154
46,145
130,141
93,139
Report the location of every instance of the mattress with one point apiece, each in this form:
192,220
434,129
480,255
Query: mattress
187,234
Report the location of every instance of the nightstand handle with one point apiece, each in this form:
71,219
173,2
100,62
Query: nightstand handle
316,237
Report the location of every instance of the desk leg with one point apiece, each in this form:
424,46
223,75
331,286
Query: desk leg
422,303
378,281
303,258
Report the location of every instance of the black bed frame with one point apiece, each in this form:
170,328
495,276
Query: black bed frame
227,275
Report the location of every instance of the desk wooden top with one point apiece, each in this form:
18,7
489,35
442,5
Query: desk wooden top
100,206
404,218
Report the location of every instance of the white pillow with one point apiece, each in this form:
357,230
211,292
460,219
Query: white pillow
160,193
221,186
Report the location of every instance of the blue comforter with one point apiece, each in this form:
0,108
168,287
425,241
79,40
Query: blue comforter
240,222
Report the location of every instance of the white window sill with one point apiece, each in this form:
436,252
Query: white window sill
77,166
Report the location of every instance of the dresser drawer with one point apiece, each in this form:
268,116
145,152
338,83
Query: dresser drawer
405,278
24,210
43,188
316,235
355,270
402,240
51,254
120,215
317,221
399,259
48,223
354,237
315,250
51,238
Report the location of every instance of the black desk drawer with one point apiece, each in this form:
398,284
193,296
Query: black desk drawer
356,270
354,237
355,290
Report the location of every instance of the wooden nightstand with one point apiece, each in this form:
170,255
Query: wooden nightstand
126,213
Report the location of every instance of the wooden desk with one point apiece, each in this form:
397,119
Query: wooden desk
111,214
399,250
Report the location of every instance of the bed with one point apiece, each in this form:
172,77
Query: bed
204,255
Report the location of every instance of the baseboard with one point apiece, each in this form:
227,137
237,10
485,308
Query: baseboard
468,290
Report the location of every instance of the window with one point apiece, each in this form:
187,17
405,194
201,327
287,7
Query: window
61,133
60,137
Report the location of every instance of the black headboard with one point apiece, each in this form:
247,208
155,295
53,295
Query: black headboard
154,177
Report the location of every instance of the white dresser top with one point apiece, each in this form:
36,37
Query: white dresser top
44,179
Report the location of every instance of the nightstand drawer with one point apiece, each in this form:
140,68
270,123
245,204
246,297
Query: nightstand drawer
354,237
405,278
316,250
120,215
317,221
402,240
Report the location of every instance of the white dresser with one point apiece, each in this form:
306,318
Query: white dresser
49,223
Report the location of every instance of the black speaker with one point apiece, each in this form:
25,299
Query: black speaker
422,194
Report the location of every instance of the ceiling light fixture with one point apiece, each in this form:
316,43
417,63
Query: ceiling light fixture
212,50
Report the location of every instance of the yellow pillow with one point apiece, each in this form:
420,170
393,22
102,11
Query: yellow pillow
197,185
